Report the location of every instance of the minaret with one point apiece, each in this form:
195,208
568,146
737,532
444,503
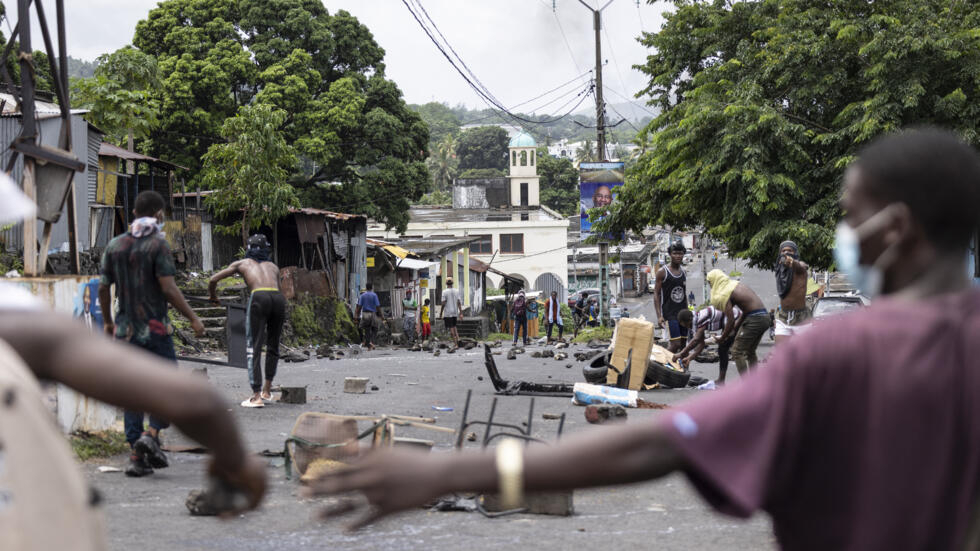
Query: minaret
523,171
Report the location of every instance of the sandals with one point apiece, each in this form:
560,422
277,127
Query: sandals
248,403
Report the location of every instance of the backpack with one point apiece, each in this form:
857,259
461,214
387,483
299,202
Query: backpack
520,306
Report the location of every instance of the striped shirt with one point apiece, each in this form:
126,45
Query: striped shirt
713,319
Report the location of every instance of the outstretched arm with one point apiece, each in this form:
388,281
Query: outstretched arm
395,480
130,378
231,270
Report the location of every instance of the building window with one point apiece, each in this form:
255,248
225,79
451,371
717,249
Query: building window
483,246
512,243
532,157
523,158
513,158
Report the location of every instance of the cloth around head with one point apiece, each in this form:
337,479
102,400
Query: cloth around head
14,205
784,244
722,288
258,248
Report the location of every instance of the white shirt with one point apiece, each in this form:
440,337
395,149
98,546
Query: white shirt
450,301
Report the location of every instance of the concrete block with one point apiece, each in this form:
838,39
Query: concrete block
293,395
550,503
355,385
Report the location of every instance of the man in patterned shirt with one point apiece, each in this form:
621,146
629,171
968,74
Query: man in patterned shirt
707,319
141,267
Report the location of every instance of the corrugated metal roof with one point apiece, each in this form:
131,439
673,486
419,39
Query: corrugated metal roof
42,109
327,213
110,150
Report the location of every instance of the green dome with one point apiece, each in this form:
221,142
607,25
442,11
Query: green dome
522,139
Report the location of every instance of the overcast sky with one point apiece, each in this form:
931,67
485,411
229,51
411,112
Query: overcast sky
515,47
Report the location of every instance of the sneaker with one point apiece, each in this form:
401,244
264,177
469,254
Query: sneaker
137,465
149,448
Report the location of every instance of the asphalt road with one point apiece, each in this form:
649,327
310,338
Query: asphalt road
149,513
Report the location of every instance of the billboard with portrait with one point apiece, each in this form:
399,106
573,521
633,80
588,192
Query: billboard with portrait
598,187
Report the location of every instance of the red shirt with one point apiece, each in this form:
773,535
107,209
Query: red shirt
862,434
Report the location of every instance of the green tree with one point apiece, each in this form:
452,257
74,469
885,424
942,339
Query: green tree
42,71
120,95
362,149
483,147
586,152
559,183
765,103
443,164
248,173
441,119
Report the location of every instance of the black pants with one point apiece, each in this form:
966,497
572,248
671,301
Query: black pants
266,314
561,329
723,355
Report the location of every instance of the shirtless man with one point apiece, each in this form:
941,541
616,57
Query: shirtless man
793,316
670,296
266,313
726,294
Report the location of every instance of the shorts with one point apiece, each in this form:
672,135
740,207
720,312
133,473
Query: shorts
789,323
449,322
677,331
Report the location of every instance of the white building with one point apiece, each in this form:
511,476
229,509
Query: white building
519,236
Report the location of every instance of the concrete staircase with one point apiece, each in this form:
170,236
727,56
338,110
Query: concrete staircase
474,328
213,317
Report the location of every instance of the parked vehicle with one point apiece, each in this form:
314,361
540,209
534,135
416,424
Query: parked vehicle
836,304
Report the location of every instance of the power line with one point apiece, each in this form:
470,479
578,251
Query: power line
542,106
652,114
611,106
480,89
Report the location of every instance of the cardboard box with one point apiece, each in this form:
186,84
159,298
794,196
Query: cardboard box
636,336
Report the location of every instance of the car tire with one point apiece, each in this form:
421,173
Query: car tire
666,376
597,369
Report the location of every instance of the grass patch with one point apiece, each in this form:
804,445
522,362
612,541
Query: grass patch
735,273
499,337
88,445
589,333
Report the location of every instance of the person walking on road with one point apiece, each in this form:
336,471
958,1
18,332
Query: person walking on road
141,267
367,312
670,296
519,311
552,315
859,435
726,294
410,308
793,316
265,315
450,310
426,326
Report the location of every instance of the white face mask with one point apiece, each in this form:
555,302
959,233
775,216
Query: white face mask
847,253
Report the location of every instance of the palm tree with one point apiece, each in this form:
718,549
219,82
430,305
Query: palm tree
443,163
586,153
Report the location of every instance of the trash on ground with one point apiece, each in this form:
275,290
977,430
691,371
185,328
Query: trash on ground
355,385
598,414
442,408
108,469
586,394
710,385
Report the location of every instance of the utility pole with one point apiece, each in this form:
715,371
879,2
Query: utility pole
600,107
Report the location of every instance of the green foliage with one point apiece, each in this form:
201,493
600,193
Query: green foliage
765,103
361,149
589,333
734,273
499,337
440,198
495,291
442,122
559,183
586,153
79,68
483,147
87,445
443,164
477,173
248,174
566,316
319,320
119,95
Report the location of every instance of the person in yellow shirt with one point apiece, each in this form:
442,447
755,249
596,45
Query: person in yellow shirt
426,327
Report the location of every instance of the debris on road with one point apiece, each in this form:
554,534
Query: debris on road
442,408
551,416
355,385
375,387
560,356
520,387
108,469
293,395
605,413
643,404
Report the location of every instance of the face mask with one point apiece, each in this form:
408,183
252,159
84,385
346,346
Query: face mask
847,253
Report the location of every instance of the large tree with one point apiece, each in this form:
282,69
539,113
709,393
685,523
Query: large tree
483,147
765,103
363,149
248,173
559,183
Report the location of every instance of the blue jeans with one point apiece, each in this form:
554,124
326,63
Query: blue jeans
163,346
520,322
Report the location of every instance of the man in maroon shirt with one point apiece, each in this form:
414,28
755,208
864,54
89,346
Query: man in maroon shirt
862,434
